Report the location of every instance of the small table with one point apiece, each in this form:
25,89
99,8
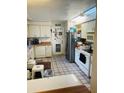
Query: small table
37,68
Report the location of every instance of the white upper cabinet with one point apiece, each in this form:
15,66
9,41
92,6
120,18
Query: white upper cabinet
83,31
34,31
48,32
91,26
87,27
45,31
42,32
39,29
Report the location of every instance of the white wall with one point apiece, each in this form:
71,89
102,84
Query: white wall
94,67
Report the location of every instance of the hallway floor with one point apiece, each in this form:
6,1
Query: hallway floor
61,66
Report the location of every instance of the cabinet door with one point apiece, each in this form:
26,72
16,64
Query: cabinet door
88,26
45,31
83,31
48,51
42,32
91,26
40,51
34,31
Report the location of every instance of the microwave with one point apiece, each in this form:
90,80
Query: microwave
90,37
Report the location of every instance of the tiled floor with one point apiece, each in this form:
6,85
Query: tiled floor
61,66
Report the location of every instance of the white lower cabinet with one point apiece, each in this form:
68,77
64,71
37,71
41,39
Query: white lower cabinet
48,51
43,51
39,51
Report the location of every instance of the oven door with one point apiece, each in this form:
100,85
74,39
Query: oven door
82,58
85,63
85,60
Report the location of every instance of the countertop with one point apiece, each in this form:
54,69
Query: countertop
74,89
52,83
44,44
40,44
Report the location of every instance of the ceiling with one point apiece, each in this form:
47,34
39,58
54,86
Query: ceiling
46,10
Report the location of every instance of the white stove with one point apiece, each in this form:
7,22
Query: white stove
83,60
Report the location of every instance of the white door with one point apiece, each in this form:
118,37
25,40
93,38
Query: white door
58,40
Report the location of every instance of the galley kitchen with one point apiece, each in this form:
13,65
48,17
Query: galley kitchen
61,46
